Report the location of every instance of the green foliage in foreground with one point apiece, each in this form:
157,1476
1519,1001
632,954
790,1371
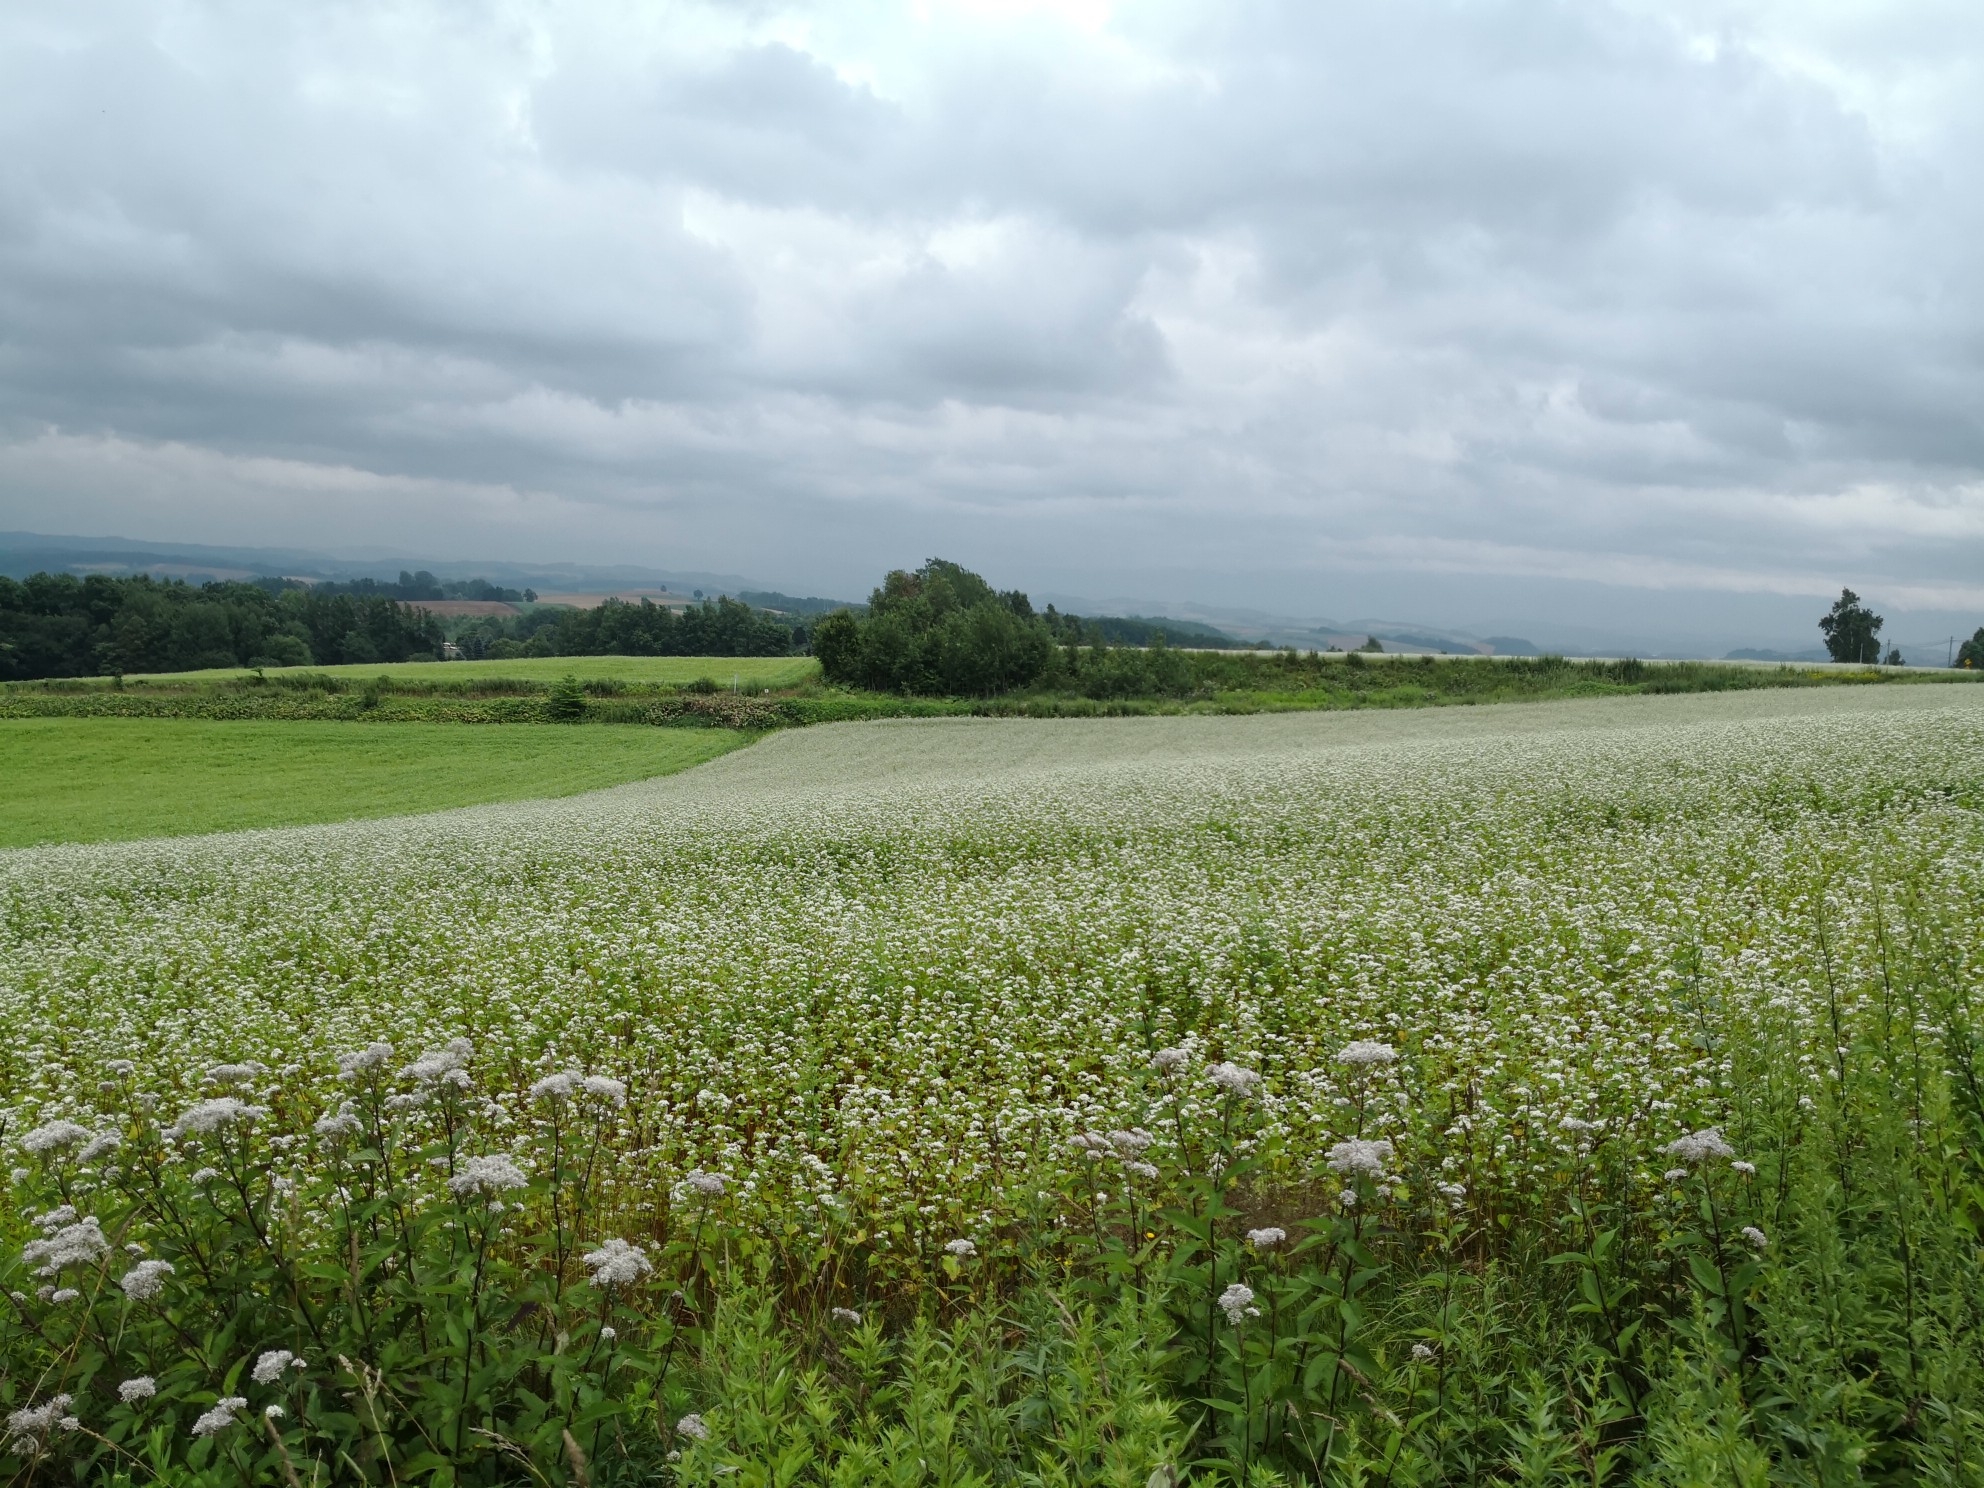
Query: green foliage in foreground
102,779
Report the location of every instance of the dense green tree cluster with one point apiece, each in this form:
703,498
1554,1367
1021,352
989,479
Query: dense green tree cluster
1971,653
719,627
415,587
57,625
942,631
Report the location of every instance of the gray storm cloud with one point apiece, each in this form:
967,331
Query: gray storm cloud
1417,306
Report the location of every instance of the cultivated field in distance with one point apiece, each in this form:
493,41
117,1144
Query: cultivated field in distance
110,779
1424,1097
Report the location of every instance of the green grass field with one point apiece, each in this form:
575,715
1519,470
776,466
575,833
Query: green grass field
762,671
108,779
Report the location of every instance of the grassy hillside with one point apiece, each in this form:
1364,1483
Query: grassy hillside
108,779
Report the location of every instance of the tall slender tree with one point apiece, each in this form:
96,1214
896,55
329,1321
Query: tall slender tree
1852,631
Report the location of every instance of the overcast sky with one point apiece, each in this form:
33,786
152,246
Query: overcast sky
1483,313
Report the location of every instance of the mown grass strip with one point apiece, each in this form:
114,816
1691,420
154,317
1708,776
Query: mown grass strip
109,779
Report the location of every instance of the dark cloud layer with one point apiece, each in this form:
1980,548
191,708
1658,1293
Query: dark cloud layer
1443,307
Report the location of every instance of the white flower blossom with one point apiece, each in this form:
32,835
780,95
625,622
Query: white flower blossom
269,1367
145,1280
1366,1054
1747,1170
692,1427
1237,1303
210,1116
221,1417
1267,1238
273,1412
708,1185
75,1244
235,1074
364,1061
1755,1236
555,1087
1698,1147
616,1263
436,1065
1132,1143
1170,1059
55,1136
1360,1157
1422,1354
487,1176
63,1294
604,1087
100,1145
847,1315
343,1123
962,1249
28,1427
142,1387
1233,1078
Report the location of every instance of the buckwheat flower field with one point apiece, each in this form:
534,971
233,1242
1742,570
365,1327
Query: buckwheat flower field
1575,1092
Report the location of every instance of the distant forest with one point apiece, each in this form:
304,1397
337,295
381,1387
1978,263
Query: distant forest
57,625
941,629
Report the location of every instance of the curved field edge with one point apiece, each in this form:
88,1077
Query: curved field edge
109,779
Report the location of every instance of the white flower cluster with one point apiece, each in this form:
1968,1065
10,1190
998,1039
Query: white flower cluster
1234,1079
447,1065
226,1411
1237,1302
487,1176
146,1280
616,1264
218,1114
1366,1054
54,1136
269,1367
29,1427
66,1244
1699,1147
1360,1158
372,1057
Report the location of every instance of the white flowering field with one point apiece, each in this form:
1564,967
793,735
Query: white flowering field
936,1000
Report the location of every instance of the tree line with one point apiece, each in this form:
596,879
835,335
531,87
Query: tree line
58,625
715,627
1852,633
